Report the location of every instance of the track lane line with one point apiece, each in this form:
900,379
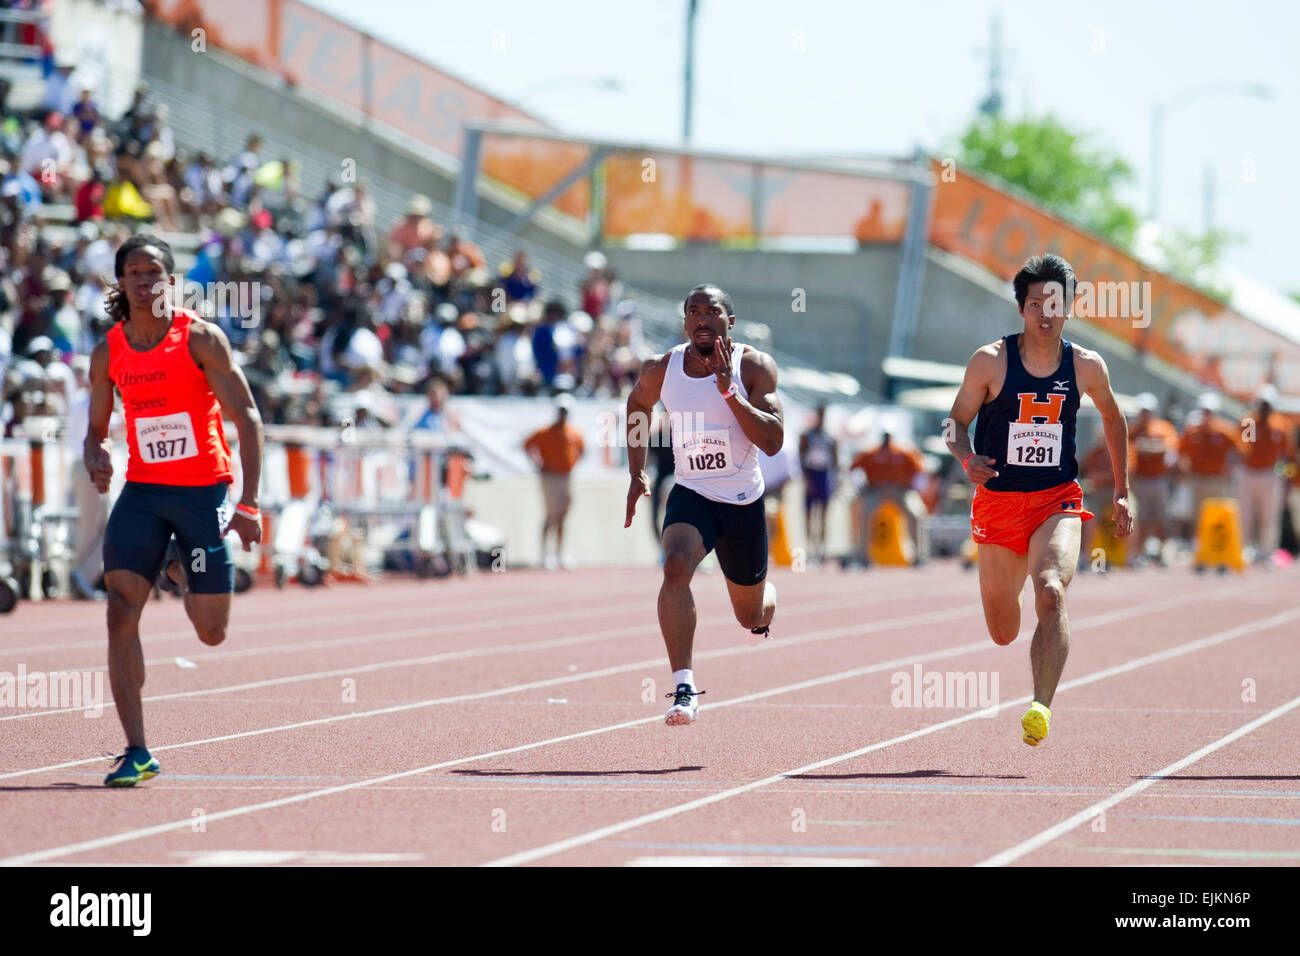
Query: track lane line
142,833
587,637
829,634
1040,840
592,836
452,627
39,856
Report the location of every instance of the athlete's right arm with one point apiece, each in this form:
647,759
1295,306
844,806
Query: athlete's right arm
97,457
975,385
640,417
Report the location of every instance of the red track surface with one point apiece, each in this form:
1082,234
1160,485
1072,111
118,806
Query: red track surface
510,718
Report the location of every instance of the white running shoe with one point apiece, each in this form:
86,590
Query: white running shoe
685,706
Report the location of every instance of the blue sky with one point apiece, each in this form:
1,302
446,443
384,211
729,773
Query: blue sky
847,77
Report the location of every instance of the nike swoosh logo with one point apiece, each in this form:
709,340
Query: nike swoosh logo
220,547
141,768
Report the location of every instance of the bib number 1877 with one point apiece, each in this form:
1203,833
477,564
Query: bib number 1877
165,448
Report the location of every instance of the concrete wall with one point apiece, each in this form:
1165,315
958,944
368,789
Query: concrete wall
849,299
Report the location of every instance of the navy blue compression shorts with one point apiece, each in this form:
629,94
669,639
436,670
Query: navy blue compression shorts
145,518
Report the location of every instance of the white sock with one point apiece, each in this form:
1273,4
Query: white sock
684,676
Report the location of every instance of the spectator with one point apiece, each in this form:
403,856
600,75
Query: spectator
47,156
1153,453
434,417
518,280
891,473
85,112
1208,448
60,94
555,450
415,231
89,200
596,285
1264,445
819,461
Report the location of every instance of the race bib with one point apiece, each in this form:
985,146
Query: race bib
165,438
1038,446
705,454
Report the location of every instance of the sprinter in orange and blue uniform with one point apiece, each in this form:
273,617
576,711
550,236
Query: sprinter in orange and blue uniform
1027,511
176,376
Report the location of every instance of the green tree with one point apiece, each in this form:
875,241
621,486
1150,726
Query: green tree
1192,258
1066,171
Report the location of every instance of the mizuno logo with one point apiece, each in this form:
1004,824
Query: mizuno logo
1063,386
978,530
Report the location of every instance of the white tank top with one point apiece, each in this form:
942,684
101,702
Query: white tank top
713,457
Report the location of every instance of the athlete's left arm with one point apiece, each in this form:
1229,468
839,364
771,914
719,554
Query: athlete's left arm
211,351
760,417
1094,381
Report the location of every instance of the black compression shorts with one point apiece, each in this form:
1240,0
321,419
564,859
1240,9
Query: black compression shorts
737,532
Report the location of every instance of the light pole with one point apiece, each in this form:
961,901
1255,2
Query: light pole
1163,110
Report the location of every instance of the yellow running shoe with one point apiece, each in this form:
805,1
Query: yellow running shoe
1035,723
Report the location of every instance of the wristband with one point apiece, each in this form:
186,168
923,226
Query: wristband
248,512
731,390
965,460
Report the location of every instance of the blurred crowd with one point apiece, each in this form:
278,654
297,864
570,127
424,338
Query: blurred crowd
1178,458
331,312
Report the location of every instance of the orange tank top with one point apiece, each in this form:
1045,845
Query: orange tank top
174,431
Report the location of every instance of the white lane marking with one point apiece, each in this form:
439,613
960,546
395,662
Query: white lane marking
1083,816
609,607
88,845
601,833
339,617
830,634
588,637
100,842
749,861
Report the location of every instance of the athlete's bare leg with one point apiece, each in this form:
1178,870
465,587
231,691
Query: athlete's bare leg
1002,582
209,613
754,604
1053,556
683,552
127,594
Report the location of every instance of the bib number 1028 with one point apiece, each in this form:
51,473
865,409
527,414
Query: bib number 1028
707,461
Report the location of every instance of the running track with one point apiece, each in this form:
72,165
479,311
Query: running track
509,719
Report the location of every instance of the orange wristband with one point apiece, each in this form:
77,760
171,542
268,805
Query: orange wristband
966,460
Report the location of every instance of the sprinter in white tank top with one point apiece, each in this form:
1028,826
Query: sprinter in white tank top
722,401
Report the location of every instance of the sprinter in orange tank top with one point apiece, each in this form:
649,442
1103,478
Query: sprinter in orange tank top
176,376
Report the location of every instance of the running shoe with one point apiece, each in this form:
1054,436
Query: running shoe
685,706
1035,723
761,631
135,766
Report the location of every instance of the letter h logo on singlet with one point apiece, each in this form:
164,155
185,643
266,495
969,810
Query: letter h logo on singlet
1031,408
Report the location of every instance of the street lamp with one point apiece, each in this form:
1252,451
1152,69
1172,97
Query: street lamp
1161,111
